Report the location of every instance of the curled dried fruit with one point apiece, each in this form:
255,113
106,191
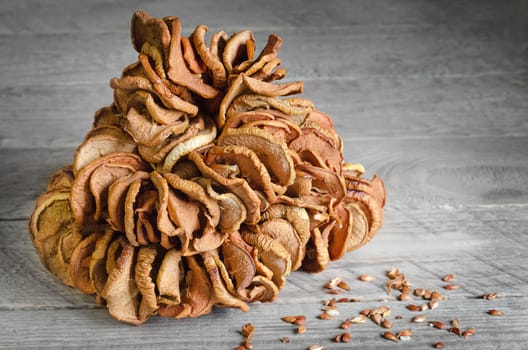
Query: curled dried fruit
204,184
439,345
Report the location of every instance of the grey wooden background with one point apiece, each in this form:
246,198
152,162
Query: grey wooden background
430,95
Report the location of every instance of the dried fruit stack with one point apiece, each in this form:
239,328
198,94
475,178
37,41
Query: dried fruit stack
201,184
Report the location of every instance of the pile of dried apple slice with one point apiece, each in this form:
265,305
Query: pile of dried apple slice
202,184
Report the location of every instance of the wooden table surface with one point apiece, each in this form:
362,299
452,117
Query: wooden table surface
429,95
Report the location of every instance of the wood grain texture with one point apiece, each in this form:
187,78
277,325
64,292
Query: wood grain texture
34,16
450,50
402,107
418,172
419,242
430,95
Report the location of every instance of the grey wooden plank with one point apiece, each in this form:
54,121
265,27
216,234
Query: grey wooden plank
311,53
47,133
27,177
33,16
446,172
377,107
54,102
25,283
424,244
429,95
92,329
402,107
442,172
418,242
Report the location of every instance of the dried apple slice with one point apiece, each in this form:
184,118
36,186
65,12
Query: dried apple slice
211,60
147,29
250,166
98,273
143,271
272,253
176,68
80,263
243,84
202,138
161,215
121,292
83,202
147,132
272,153
360,233
221,294
170,275
156,154
101,141
116,201
54,233
238,186
61,180
317,256
239,48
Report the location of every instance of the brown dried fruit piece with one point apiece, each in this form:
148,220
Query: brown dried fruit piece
53,229
203,184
